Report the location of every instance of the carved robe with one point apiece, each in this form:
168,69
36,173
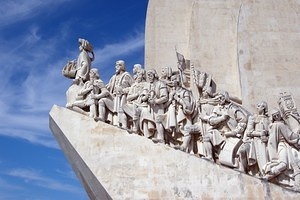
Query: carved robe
83,65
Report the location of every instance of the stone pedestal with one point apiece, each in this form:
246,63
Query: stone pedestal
111,163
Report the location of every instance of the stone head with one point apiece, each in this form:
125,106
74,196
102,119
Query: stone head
224,98
152,75
94,74
84,44
166,72
120,66
275,115
262,107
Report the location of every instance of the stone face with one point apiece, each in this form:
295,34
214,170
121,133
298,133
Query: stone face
114,164
250,47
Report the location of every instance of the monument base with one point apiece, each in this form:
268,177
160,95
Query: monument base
112,164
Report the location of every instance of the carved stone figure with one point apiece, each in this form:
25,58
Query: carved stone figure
205,107
78,70
135,101
223,138
201,80
110,108
165,76
87,98
181,108
253,153
146,122
83,64
233,129
158,97
289,111
283,148
136,68
164,110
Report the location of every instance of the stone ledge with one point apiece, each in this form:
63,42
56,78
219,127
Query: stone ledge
111,163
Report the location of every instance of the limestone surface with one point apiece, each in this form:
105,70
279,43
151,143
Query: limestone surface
111,163
250,47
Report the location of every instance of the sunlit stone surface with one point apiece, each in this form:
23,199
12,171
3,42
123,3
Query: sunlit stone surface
114,164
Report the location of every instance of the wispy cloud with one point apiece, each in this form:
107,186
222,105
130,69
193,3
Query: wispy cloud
68,174
106,56
123,48
32,81
35,177
13,11
34,137
8,186
9,190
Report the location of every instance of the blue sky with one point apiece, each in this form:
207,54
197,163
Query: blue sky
37,39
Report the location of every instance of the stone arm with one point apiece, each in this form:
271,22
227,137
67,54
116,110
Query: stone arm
131,97
164,96
291,137
88,87
241,119
132,94
103,91
255,130
127,81
216,119
250,130
186,102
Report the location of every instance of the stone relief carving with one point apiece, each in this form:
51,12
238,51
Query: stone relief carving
205,122
253,153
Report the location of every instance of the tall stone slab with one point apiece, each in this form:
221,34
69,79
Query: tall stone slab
113,164
249,47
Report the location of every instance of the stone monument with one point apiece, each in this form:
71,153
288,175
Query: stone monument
182,132
250,47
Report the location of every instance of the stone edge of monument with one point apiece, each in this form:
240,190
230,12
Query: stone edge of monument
93,187
95,190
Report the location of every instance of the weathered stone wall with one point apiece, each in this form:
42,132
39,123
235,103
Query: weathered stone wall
250,47
114,164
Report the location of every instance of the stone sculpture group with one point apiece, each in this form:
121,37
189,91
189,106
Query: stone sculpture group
202,121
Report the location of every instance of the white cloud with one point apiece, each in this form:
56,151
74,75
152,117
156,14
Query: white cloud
127,46
8,186
68,174
13,11
32,81
33,137
106,56
9,190
35,177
